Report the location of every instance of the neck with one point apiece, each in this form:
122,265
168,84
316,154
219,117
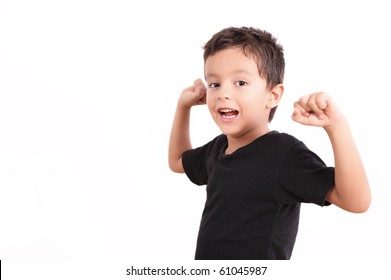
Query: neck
235,143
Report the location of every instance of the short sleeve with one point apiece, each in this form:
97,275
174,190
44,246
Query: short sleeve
195,164
304,177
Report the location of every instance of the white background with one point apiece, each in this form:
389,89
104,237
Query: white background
88,91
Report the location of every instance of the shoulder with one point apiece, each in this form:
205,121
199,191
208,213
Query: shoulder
295,151
216,144
287,146
195,161
219,140
282,139
211,147
273,146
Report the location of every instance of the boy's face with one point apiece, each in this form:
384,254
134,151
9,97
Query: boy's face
237,97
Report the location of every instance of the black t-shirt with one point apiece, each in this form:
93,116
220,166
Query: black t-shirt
254,194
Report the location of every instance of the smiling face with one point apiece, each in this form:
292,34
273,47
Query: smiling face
237,96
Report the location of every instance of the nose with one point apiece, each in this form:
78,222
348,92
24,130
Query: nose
223,97
224,93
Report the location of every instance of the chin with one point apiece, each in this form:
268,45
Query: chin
231,133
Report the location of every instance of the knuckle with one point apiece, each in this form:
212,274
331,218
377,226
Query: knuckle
302,100
312,103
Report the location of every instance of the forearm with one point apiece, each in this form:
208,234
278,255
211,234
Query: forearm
351,191
179,138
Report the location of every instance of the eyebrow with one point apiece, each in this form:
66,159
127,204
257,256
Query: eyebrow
240,71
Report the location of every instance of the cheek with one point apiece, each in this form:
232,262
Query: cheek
209,101
255,107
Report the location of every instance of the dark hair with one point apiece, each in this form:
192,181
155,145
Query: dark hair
260,44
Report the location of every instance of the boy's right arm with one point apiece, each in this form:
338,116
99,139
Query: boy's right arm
180,132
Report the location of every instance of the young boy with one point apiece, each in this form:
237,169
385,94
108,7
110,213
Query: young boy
256,178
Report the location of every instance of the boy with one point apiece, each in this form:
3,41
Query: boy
257,178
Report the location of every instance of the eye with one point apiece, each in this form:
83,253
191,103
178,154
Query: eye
241,83
214,85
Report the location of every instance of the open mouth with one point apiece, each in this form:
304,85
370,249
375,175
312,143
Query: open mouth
227,113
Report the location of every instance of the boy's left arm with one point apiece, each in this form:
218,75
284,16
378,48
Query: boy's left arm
351,191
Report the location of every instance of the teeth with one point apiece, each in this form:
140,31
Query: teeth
227,110
229,117
227,113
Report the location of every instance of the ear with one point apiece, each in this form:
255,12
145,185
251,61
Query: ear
275,96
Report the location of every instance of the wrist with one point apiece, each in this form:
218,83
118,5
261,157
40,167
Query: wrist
181,105
340,126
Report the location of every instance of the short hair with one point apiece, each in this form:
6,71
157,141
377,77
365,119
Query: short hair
256,43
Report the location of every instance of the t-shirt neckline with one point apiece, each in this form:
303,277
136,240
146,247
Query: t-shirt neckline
225,146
